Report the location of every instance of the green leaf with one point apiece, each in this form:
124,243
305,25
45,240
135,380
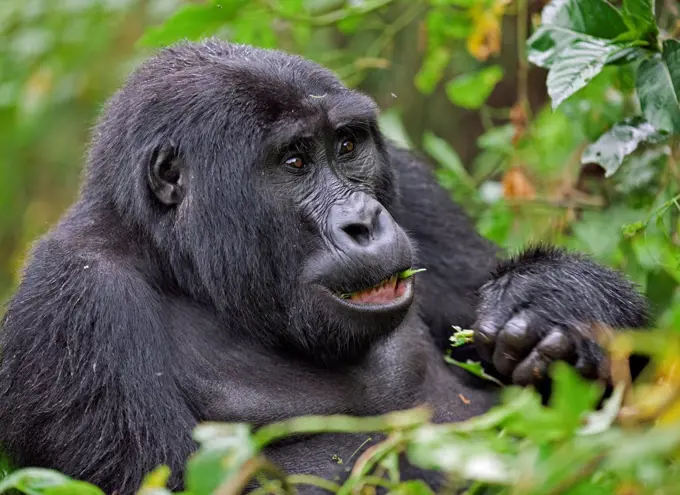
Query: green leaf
472,90
596,18
620,141
413,487
410,272
671,55
461,337
432,70
224,449
575,66
392,127
639,16
572,396
564,22
467,457
473,367
447,157
658,87
38,481
192,22
547,42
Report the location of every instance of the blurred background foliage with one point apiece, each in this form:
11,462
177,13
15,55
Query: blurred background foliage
451,76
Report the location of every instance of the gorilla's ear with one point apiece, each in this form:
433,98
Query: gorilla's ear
166,174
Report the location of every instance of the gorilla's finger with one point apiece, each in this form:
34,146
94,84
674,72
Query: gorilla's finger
593,367
557,346
534,369
515,341
486,331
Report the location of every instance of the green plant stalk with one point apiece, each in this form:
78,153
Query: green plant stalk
400,420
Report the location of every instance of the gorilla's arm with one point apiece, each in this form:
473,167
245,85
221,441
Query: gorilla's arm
87,387
531,310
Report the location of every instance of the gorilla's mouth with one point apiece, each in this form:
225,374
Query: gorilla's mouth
387,291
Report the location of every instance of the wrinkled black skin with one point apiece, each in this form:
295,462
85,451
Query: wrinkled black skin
180,286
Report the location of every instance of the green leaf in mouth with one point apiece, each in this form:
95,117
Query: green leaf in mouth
410,272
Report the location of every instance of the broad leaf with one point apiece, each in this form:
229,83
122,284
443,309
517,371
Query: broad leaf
620,141
564,22
576,66
596,18
472,90
658,85
639,16
548,42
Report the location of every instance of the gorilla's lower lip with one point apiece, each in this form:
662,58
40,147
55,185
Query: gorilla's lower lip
371,300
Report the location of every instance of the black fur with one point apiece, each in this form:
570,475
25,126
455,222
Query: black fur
170,296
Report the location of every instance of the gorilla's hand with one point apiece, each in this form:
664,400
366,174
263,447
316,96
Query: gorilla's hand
538,309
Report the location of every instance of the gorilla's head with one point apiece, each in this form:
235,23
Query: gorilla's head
262,188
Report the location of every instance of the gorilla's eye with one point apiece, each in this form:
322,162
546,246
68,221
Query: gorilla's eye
347,146
295,162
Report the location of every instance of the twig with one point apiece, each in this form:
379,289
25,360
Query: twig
236,484
522,62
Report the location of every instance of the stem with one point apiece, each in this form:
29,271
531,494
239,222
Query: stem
522,62
308,479
235,485
391,30
368,460
329,18
342,424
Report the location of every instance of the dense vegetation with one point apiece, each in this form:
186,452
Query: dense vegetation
574,109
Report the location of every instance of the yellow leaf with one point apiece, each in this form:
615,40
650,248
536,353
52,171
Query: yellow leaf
485,39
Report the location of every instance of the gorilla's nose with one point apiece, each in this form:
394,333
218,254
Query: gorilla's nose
361,225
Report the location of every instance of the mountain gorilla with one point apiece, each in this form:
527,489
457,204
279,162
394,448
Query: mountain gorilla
234,255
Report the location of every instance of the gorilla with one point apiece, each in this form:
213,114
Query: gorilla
236,253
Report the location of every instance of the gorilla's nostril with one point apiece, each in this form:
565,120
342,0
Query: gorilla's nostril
359,233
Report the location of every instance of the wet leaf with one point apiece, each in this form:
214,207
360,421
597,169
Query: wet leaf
658,87
621,140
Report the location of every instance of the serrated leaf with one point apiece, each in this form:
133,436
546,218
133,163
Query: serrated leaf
620,141
596,18
547,42
564,22
576,66
658,85
472,90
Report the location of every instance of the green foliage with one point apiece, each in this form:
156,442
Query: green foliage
472,90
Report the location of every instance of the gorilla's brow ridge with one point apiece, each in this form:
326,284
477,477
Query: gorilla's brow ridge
339,113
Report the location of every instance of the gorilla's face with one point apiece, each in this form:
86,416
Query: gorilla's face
333,173
270,193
